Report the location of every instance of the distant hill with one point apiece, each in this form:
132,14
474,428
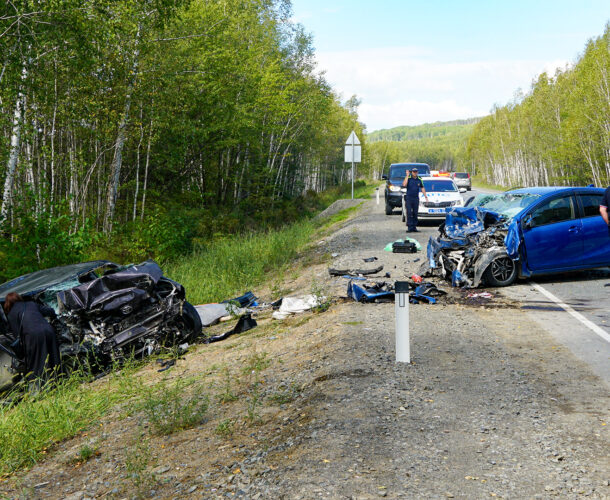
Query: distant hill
426,131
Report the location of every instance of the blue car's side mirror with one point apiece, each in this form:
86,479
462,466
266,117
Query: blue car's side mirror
384,177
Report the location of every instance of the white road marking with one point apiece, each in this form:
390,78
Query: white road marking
589,324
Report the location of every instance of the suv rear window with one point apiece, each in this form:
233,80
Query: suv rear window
401,171
461,175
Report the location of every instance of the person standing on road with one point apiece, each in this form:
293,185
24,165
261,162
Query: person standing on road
604,208
414,184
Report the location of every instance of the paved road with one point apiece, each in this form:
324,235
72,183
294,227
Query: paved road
585,293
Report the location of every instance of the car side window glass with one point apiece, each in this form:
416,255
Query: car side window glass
556,210
590,204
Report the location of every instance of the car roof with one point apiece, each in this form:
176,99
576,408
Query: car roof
442,179
546,190
410,165
40,280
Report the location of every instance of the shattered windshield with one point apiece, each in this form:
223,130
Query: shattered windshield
508,204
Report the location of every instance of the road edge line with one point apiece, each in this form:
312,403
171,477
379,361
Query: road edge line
588,323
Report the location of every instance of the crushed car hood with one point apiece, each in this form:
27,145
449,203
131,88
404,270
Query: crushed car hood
471,238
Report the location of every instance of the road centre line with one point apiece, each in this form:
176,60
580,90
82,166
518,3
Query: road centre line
588,323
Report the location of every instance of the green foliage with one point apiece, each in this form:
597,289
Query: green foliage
137,460
252,369
42,240
227,395
173,407
225,428
208,117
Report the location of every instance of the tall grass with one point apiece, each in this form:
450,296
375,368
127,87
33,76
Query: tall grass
229,267
30,427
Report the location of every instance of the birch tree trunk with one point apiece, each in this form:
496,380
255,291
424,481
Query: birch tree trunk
117,161
14,149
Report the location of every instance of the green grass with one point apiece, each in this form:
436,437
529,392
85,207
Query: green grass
28,429
230,267
173,407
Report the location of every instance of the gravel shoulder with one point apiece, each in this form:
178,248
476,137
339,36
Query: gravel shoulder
490,407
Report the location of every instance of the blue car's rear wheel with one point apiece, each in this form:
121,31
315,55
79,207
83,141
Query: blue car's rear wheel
501,272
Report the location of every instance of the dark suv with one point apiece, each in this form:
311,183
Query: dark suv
394,178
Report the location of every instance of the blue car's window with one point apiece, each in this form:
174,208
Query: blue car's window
590,204
439,186
553,211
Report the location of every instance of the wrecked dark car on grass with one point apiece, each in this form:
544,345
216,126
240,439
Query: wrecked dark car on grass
106,313
520,233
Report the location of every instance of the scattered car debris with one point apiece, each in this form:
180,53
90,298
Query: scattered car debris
482,295
166,364
384,292
296,305
371,292
370,259
390,246
246,300
244,323
210,314
417,278
354,272
403,247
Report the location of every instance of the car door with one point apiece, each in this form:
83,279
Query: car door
552,234
596,243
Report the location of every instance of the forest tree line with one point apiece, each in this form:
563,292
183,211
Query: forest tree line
149,119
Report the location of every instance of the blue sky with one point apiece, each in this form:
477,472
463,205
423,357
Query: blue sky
421,61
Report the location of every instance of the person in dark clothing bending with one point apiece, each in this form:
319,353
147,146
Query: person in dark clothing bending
604,208
413,183
37,336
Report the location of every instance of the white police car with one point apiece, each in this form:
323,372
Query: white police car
442,194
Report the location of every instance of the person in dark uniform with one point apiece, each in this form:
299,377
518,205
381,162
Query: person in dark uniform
604,208
413,183
37,336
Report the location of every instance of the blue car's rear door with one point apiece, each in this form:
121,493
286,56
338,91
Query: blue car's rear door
596,242
552,235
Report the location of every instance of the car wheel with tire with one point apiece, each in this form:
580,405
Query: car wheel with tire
388,208
192,321
501,272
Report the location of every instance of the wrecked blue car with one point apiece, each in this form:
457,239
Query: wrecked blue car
520,233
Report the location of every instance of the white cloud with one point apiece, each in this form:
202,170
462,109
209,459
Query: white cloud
411,85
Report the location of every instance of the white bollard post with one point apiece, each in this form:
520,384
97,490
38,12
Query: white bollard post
401,308
377,195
